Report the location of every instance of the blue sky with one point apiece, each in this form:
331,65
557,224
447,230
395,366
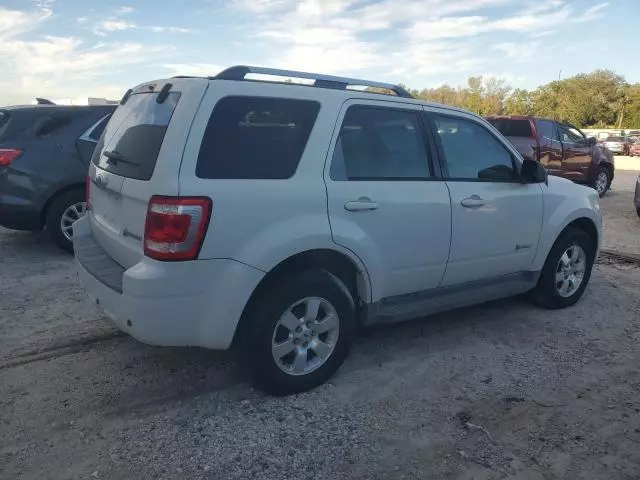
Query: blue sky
73,48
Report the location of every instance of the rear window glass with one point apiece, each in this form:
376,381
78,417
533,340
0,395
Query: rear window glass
512,128
4,123
134,134
615,139
255,138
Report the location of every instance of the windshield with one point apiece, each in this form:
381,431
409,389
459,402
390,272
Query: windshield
132,139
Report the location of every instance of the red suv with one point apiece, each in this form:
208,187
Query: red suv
561,148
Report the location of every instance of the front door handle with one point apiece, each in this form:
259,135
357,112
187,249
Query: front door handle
472,201
360,205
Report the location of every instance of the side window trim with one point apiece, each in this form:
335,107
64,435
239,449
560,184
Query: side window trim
429,145
431,113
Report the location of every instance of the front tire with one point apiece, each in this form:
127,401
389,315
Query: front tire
567,270
65,210
602,181
299,332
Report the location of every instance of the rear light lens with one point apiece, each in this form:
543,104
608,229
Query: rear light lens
8,155
175,227
87,191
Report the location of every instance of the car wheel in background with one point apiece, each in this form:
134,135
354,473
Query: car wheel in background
602,181
65,210
299,332
567,270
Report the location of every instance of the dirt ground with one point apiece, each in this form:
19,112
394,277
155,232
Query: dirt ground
621,222
499,391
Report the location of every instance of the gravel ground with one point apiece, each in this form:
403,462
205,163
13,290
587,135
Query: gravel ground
503,390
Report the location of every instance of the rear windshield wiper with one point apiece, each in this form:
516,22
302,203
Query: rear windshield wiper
116,157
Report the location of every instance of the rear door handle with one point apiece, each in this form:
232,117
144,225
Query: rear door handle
360,205
472,201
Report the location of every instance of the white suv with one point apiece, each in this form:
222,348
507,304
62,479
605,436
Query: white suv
282,217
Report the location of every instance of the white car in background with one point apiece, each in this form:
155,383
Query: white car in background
617,145
284,218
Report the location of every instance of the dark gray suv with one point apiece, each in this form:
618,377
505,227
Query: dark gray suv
44,156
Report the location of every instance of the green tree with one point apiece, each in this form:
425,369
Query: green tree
520,102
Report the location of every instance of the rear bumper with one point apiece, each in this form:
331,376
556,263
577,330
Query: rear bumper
19,217
168,303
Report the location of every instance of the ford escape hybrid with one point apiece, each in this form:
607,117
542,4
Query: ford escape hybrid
283,217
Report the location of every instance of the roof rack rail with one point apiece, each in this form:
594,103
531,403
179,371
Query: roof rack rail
239,72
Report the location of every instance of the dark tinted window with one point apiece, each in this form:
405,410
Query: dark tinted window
99,128
51,125
255,137
4,123
512,128
134,135
547,131
615,139
471,151
380,144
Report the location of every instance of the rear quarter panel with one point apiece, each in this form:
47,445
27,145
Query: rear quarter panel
263,222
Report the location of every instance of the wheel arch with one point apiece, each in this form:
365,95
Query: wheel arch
349,271
587,225
54,196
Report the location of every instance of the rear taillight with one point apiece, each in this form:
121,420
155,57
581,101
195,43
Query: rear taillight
8,155
87,192
175,227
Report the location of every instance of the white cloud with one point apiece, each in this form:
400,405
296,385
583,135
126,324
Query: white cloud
111,25
61,66
115,25
125,10
193,69
168,29
594,12
517,51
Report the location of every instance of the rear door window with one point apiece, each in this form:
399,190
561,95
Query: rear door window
380,144
512,128
133,136
255,138
547,131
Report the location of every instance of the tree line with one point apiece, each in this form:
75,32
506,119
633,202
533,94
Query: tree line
598,99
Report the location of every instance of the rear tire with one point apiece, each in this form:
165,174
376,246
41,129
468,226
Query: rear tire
62,212
283,349
555,289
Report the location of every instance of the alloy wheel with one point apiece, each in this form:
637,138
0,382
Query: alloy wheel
570,271
70,215
305,336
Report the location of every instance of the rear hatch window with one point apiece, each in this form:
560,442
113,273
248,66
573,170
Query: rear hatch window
512,128
132,139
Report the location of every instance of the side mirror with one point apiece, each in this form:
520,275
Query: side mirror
533,172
